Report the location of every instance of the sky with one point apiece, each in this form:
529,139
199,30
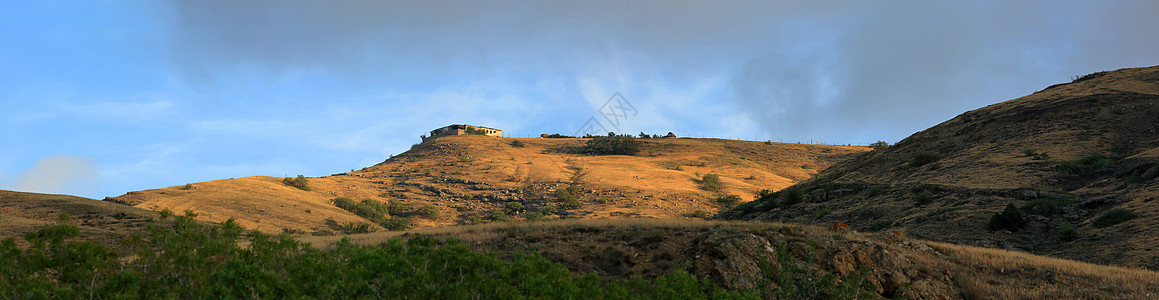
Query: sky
102,97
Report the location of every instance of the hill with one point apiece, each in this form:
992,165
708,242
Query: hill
1076,160
789,261
98,220
472,179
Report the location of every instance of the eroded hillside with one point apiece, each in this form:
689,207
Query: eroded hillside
1064,157
471,179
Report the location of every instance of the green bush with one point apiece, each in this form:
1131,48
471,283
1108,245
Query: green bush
513,207
429,212
187,259
879,145
1010,219
710,182
792,196
611,145
1113,217
881,224
1047,206
700,213
924,158
568,198
499,216
299,182
821,213
924,197
395,223
549,210
1083,165
517,144
727,201
1066,231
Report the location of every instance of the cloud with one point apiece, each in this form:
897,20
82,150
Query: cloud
59,174
840,71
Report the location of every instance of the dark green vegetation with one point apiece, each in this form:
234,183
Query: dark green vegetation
568,198
727,201
1009,219
611,145
181,258
924,158
1113,217
710,182
517,144
1082,166
380,213
299,182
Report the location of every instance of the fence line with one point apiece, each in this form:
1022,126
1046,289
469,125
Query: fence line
746,139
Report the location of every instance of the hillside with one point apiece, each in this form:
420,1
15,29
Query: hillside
98,220
1062,156
790,261
471,179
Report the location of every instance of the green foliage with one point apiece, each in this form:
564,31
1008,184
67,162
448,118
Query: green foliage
1113,217
499,216
874,191
700,213
350,227
1090,76
924,197
517,144
549,210
395,223
556,136
427,211
727,201
299,182
880,224
1047,206
792,196
1010,219
513,207
710,182
368,209
806,167
879,145
186,187
821,213
568,198
1066,231
611,145
924,158
535,216
1083,165
1030,152
185,259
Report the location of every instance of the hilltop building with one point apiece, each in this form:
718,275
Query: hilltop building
463,129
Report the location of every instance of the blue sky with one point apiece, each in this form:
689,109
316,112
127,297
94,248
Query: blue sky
104,97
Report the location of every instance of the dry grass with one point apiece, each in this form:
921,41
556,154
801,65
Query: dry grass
988,269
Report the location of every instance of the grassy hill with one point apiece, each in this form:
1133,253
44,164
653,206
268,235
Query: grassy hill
98,220
472,179
1077,161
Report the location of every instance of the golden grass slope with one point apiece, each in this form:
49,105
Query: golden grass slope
1010,153
465,177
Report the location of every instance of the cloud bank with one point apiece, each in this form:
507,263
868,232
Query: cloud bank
850,71
73,175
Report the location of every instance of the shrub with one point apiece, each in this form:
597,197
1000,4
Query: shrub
792,196
924,197
513,207
429,212
727,201
188,186
568,198
821,213
879,225
710,182
299,182
1083,165
879,145
1047,206
1066,231
535,216
1113,217
499,216
555,136
874,191
924,158
1010,219
395,223
549,210
611,145
700,213
517,144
